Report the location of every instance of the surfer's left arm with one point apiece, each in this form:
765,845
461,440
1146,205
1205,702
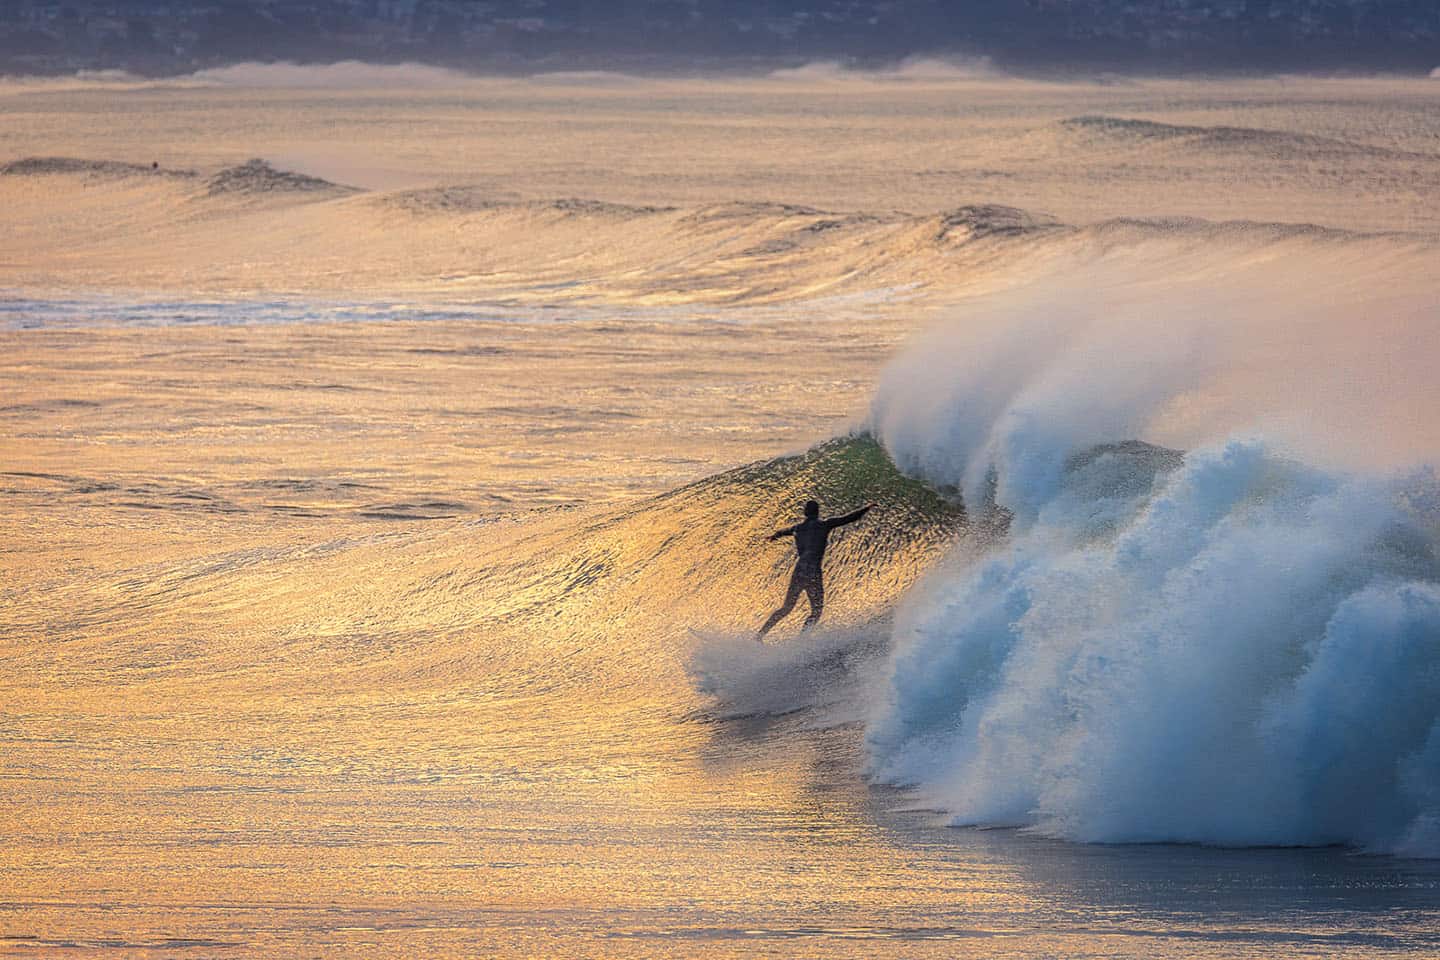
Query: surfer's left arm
781,533
849,517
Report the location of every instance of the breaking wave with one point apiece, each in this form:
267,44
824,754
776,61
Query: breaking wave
1234,645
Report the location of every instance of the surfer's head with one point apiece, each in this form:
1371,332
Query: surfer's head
812,509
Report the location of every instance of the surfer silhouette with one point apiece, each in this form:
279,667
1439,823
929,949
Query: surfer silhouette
812,535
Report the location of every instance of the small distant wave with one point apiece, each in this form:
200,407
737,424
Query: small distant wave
253,177
256,177
1227,138
75,166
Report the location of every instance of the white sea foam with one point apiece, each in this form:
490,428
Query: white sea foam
1243,648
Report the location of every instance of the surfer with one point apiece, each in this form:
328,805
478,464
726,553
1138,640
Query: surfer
811,537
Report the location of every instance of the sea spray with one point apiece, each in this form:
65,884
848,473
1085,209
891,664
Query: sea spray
819,672
1234,646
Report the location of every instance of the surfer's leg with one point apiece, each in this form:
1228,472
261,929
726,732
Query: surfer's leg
815,589
792,593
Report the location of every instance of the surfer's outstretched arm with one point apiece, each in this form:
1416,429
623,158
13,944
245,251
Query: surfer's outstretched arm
834,522
781,533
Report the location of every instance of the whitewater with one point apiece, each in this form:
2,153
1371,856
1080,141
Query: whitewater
384,530
1233,642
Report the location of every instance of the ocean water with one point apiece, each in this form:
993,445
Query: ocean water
380,566
269,705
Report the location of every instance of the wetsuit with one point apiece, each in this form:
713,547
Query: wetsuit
811,538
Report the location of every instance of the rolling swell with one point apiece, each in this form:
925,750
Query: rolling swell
585,599
256,227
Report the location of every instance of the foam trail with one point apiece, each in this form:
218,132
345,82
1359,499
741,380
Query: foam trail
1235,647
773,679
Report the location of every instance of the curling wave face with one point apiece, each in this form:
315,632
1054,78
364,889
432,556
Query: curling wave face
1239,645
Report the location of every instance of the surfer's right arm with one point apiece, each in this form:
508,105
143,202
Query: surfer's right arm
849,517
782,533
